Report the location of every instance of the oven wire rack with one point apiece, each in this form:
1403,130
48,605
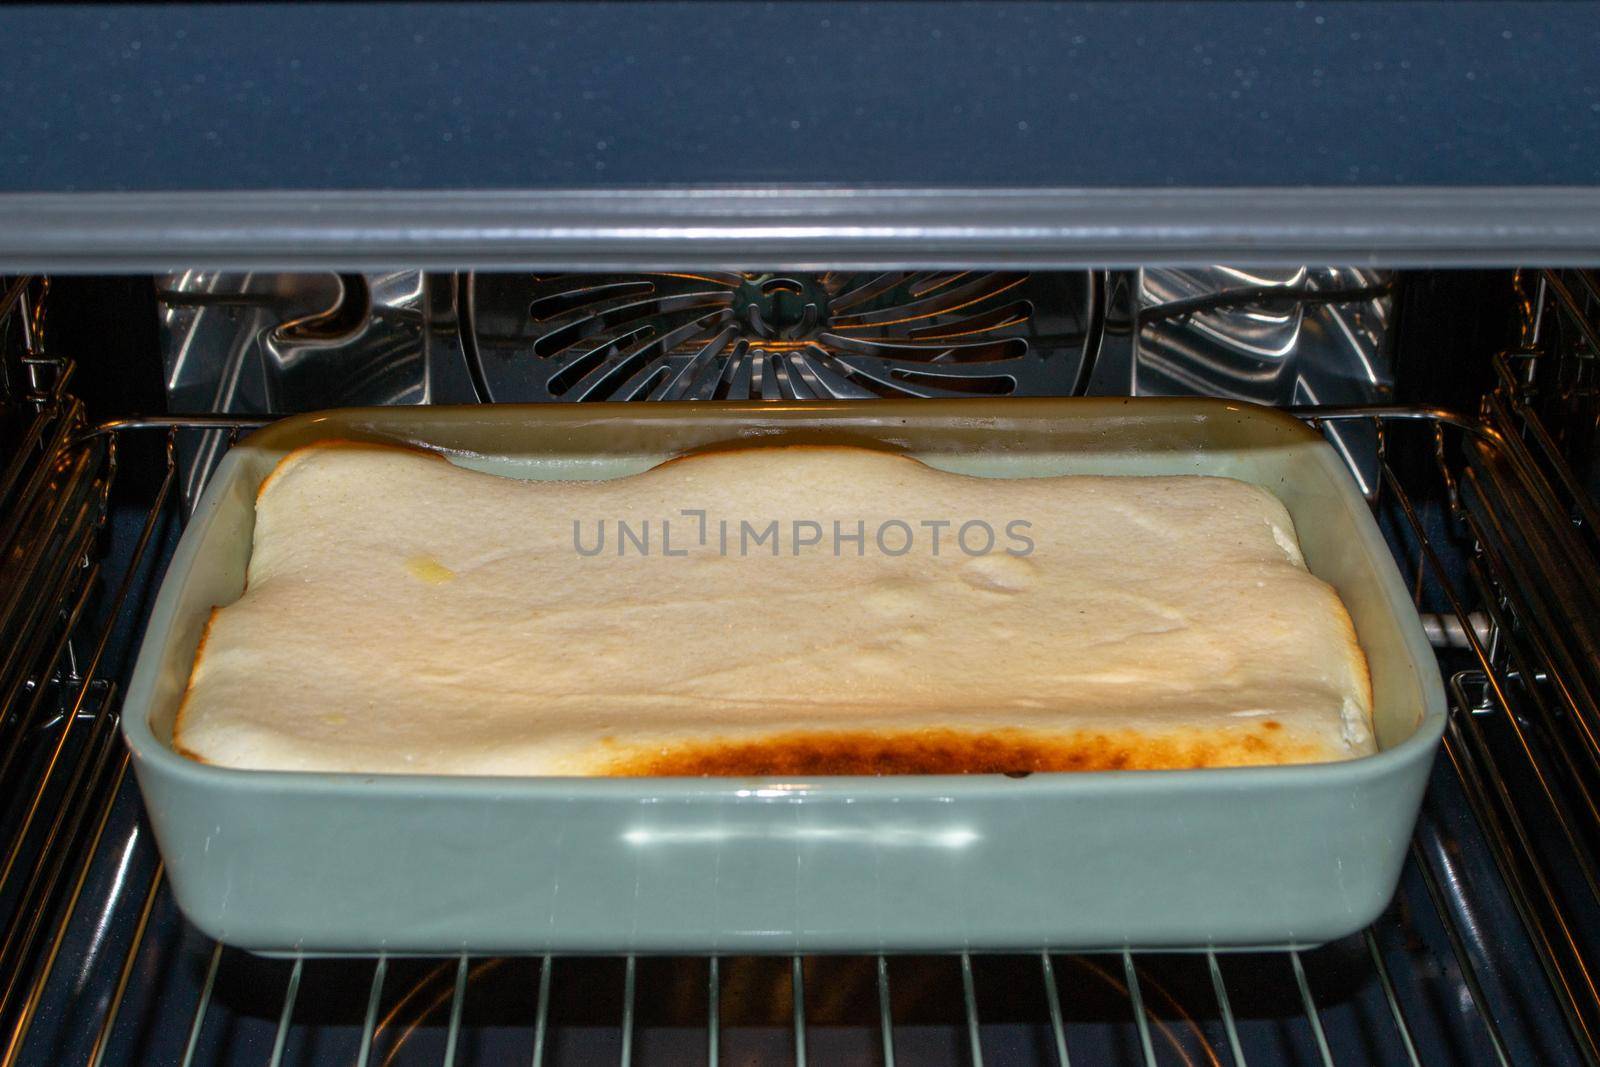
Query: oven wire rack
1487,956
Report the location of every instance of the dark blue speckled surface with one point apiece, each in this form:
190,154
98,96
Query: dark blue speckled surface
436,96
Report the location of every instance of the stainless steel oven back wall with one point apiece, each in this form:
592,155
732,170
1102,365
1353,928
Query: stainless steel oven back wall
283,343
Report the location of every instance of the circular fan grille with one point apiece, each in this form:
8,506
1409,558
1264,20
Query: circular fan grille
789,336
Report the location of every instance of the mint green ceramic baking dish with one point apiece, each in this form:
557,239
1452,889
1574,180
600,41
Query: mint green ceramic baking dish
1236,858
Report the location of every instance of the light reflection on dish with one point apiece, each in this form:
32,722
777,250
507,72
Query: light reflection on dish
952,837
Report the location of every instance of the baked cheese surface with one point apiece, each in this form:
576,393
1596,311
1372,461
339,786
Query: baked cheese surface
785,610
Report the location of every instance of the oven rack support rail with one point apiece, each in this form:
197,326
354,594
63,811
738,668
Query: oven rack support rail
1521,745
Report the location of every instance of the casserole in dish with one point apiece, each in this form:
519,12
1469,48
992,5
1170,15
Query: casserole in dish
1247,857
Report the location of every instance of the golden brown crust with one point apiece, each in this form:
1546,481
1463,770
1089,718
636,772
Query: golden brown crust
295,455
742,447
944,751
188,753
1363,669
188,689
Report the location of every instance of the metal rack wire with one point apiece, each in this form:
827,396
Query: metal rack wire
1487,955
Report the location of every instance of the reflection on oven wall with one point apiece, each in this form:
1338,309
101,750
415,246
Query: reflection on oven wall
1279,337
280,343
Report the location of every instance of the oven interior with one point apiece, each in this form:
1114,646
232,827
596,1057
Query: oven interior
1464,402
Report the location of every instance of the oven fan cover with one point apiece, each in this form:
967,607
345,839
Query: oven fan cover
783,336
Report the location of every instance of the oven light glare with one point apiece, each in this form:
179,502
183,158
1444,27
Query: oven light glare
953,837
